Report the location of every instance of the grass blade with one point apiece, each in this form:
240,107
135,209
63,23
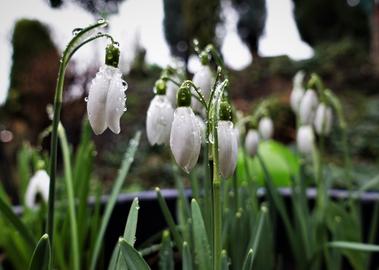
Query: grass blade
170,220
8,213
166,259
186,257
224,261
134,260
354,246
202,248
125,166
41,254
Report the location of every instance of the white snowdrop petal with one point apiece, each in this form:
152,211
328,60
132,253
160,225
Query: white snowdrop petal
38,184
308,107
203,128
305,139
295,98
252,142
227,148
171,90
203,79
96,101
159,118
115,104
266,128
323,119
185,139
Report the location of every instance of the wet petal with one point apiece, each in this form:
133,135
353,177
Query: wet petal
227,148
323,119
38,184
266,128
308,107
252,142
305,139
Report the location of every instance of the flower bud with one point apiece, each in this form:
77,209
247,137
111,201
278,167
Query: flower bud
252,142
305,140
266,128
106,100
323,119
203,79
160,115
38,184
160,87
185,138
295,98
227,148
308,107
112,55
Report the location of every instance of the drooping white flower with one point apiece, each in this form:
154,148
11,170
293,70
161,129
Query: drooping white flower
252,142
203,128
203,79
227,148
185,138
171,93
295,98
160,115
323,119
38,184
106,100
305,139
298,79
266,128
308,106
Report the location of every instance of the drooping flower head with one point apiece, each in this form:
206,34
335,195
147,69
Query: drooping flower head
305,139
266,128
323,119
203,79
38,185
185,137
308,106
252,142
297,91
106,97
227,141
159,117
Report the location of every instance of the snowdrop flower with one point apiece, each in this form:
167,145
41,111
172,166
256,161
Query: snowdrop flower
252,142
203,128
38,184
297,92
159,116
203,79
266,128
185,136
227,142
323,119
106,97
305,139
308,107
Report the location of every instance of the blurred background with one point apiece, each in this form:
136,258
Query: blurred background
263,43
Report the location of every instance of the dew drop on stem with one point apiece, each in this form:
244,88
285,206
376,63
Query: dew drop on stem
76,31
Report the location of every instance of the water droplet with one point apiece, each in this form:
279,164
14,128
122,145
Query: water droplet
125,84
125,109
86,99
101,20
210,138
76,31
116,44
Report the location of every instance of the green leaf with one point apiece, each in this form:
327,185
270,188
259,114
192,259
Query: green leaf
354,246
41,254
134,260
169,219
224,261
186,257
117,261
166,260
125,166
202,248
8,213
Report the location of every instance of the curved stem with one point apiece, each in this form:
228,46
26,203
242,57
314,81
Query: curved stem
200,95
171,80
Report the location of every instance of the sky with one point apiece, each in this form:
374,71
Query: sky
135,24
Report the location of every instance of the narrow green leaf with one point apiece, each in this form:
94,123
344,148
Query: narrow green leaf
8,213
354,246
202,248
166,259
117,261
133,259
224,261
249,260
41,255
169,219
125,166
186,257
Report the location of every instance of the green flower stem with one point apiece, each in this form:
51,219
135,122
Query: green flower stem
166,78
66,56
201,97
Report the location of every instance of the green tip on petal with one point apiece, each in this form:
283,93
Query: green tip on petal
112,55
183,97
160,87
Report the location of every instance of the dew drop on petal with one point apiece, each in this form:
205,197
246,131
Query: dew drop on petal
86,99
101,20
